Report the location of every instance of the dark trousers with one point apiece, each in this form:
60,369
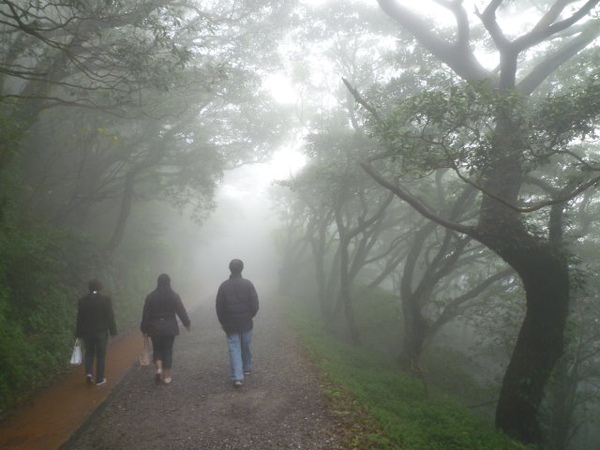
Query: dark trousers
162,350
95,349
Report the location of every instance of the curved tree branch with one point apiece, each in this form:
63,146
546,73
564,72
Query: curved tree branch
405,195
539,34
459,55
553,61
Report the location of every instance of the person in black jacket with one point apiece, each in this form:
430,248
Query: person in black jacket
159,321
95,320
237,305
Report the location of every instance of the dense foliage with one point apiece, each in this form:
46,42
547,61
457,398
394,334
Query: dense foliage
449,195
117,122
485,125
39,272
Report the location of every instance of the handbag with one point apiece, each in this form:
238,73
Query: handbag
76,356
145,355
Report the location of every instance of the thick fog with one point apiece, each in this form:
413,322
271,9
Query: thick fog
450,188
242,226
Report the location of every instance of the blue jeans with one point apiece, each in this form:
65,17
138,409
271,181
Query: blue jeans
240,355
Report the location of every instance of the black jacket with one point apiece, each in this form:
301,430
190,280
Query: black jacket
95,315
237,304
160,309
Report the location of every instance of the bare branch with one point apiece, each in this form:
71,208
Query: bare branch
362,101
553,61
533,207
488,19
459,55
405,195
539,34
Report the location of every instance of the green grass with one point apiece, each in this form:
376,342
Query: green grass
386,409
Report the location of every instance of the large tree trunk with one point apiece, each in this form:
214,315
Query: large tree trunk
542,266
540,263
415,329
293,258
319,250
124,211
414,334
562,403
321,280
540,342
346,296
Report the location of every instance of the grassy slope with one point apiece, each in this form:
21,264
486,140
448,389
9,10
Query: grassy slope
385,409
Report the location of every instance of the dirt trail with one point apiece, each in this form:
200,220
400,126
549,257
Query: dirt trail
280,406
50,418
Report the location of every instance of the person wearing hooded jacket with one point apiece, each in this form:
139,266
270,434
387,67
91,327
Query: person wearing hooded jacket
159,321
237,305
95,320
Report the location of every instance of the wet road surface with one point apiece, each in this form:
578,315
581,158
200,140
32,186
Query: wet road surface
280,407
52,416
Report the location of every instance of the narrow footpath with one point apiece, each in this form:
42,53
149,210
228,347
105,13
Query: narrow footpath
55,413
280,406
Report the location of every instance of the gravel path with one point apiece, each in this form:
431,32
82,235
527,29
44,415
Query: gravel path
280,406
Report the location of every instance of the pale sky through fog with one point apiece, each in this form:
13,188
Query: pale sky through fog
241,226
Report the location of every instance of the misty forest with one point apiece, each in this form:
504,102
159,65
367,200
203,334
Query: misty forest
419,178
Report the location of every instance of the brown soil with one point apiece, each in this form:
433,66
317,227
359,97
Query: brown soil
54,414
280,406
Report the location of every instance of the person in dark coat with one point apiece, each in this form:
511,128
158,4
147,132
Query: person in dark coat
159,321
237,305
95,320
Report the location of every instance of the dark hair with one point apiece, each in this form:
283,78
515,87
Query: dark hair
94,285
163,282
236,266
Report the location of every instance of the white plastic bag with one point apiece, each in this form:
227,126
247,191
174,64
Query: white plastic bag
76,356
145,355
